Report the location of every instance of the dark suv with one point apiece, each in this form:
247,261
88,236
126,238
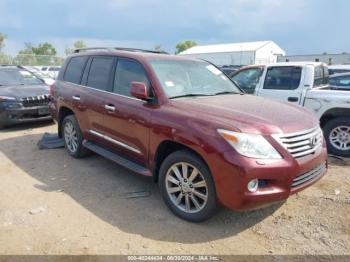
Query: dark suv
187,125
23,97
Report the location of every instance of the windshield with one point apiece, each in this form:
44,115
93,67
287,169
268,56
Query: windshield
191,78
17,76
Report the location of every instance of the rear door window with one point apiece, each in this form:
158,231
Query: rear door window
75,69
127,72
100,72
283,78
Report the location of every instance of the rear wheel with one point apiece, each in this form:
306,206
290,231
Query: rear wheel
187,186
73,137
337,134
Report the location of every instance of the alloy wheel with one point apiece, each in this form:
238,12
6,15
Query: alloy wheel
71,137
186,187
339,137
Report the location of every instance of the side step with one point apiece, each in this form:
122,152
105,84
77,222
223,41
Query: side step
117,158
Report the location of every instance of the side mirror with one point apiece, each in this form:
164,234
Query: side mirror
139,90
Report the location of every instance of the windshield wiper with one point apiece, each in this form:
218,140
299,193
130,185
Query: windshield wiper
226,92
189,95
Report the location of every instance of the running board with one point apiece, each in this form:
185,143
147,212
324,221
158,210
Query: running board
117,158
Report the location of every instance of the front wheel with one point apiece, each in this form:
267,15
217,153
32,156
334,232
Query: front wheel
337,134
187,186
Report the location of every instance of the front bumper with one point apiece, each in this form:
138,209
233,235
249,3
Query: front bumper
232,172
9,116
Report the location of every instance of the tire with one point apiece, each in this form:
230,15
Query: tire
337,135
194,186
75,148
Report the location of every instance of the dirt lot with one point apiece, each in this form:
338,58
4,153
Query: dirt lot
51,203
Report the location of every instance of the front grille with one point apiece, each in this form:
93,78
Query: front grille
302,143
299,180
31,101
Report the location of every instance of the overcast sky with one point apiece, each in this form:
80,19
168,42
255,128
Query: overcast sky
298,26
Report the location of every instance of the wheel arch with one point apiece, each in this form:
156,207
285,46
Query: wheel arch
63,112
333,113
164,149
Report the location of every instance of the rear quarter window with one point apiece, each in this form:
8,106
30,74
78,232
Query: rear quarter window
75,69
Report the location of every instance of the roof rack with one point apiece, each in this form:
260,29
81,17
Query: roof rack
79,50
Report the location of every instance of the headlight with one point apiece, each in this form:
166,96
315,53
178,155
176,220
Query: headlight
7,98
250,145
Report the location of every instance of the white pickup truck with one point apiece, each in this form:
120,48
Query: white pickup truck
304,84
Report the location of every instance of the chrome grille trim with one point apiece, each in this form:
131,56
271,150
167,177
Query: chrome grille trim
303,143
30,101
299,180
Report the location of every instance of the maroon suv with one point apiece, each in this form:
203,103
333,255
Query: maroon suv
184,123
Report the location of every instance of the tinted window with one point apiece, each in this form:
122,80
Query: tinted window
75,69
99,73
127,72
343,81
283,78
248,79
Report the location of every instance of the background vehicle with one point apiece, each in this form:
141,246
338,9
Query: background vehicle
306,84
229,69
184,123
50,71
340,81
338,69
23,97
247,79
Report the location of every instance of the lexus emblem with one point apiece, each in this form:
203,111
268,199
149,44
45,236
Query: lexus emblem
313,141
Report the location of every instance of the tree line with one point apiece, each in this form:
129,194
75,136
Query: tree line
46,54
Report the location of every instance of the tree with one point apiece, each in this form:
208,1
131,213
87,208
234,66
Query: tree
44,49
43,54
182,46
77,44
3,37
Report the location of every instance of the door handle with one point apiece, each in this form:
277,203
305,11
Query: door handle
110,108
76,98
293,99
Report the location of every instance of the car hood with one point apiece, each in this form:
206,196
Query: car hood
250,114
22,91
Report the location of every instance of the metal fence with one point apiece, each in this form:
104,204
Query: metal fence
31,60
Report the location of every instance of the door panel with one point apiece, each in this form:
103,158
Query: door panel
126,118
128,126
282,83
97,79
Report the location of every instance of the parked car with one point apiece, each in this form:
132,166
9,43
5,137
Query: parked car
38,73
306,84
184,123
340,81
50,71
338,69
23,97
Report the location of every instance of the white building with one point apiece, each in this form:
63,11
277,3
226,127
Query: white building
249,53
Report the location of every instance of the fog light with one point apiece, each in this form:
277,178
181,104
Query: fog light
253,185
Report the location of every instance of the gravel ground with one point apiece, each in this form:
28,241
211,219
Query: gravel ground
51,203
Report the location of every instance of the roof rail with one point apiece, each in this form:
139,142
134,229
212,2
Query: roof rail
79,50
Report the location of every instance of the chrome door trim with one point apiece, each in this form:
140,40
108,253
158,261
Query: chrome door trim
115,141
